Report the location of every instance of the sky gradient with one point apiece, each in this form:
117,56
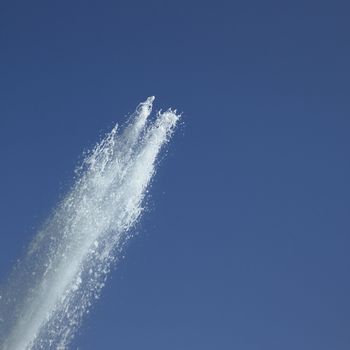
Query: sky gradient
246,241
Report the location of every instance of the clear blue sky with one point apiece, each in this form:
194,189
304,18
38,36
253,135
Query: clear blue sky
246,245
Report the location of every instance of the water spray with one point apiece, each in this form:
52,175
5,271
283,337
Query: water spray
67,263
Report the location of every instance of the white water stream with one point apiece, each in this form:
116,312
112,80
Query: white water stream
68,261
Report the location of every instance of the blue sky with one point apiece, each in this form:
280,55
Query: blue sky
246,244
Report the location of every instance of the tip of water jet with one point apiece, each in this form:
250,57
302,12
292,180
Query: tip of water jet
149,101
144,109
